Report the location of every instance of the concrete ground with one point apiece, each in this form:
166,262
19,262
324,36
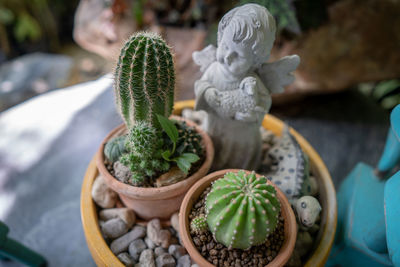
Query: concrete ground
47,143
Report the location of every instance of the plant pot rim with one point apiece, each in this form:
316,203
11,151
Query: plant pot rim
152,193
290,225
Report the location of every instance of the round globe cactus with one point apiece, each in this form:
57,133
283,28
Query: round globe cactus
242,210
114,148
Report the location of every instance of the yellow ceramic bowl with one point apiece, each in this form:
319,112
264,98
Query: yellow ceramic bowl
103,256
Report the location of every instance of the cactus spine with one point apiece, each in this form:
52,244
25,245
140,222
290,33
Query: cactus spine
242,210
144,79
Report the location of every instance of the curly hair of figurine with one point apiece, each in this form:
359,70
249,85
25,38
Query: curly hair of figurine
245,22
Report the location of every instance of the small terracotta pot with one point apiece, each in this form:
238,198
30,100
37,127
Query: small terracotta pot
160,202
290,226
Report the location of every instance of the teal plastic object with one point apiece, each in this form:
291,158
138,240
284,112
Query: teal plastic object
368,232
12,250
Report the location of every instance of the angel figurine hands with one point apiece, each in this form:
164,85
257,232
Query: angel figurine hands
235,89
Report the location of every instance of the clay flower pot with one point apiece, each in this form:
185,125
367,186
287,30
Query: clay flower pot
155,202
290,226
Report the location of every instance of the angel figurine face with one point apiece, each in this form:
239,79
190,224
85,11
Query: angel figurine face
245,39
236,58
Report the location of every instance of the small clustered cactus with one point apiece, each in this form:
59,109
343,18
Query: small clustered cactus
199,224
145,158
144,79
189,140
242,210
115,148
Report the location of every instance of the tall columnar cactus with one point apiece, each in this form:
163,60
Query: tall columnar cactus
242,210
144,79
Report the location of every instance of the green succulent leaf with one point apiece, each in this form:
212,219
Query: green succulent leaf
169,128
183,164
192,158
185,161
166,154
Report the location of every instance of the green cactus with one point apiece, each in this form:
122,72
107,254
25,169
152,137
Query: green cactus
189,140
145,147
199,224
115,148
144,79
242,210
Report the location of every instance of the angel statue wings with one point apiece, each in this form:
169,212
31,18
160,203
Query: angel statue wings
237,83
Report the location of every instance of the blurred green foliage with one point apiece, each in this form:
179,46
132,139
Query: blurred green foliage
34,24
386,93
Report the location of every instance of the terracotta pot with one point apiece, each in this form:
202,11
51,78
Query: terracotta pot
103,256
290,226
155,202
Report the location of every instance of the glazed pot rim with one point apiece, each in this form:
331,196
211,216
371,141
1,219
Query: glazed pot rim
156,193
290,225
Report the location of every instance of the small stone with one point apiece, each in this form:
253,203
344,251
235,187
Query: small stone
149,243
101,223
173,176
159,251
175,221
158,235
165,238
165,260
122,172
136,247
213,252
126,259
114,228
125,214
147,258
177,251
121,244
184,261
102,194
153,229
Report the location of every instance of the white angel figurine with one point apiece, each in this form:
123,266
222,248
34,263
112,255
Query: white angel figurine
235,89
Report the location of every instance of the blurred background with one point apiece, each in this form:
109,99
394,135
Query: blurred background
57,104
343,44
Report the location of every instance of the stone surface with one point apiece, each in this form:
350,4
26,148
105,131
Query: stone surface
122,243
136,247
173,176
147,258
125,214
158,235
122,172
184,261
159,250
177,251
102,195
165,260
114,228
149,243
126,259
175,221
